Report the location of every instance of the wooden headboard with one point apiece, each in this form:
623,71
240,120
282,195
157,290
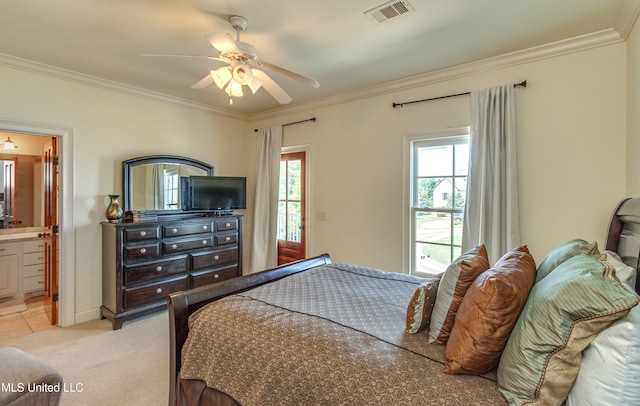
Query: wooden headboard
624,234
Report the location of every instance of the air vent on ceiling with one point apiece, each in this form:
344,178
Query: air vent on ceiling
389,10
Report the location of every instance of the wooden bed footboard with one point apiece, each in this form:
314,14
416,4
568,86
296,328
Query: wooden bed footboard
182,304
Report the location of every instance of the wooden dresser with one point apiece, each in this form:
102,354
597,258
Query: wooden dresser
142,263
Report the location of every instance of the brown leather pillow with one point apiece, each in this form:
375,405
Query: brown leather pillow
454,284
421,304
488,313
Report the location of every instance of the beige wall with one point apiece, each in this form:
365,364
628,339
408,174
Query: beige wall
633,112
108,127
572,129
571,138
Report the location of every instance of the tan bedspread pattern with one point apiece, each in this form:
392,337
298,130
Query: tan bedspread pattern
331,335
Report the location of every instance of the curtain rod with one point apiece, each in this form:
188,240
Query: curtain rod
313,119
395,105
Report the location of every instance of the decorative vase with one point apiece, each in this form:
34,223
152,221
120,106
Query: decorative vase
114,212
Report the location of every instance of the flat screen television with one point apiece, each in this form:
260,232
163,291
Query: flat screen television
217,193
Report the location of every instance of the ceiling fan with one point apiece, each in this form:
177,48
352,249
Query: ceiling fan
244,67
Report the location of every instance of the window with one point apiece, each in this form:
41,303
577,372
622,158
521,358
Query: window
439,168
170,189
291,207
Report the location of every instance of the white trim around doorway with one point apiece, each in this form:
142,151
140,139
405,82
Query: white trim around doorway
66,283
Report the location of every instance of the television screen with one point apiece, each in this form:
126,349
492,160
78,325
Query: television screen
217,193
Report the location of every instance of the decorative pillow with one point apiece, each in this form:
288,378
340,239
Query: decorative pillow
563,252
624,272
610,365
488,312
564,313
454,284
421,304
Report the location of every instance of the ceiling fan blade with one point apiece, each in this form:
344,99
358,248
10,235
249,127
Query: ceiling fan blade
204,82
295,76
213,58
272,87
223,42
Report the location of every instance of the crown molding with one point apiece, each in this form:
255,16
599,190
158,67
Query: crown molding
84,79
563,47
580,43
628,17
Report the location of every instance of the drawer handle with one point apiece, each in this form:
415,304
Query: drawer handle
159,290
205,228
174,246
143,250
40,282
227,225
227,239
159,268
174,230
217,257
143,233
204,242
216,276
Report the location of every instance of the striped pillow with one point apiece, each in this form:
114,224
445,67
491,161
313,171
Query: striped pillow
615,381
563,252
564,312
454,284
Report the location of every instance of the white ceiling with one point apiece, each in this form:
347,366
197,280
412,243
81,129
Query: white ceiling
330,40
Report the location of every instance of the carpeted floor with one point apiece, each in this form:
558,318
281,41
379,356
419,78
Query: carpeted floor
124,367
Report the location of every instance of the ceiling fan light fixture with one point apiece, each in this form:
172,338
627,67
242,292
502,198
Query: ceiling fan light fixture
242,73
234,89
221,76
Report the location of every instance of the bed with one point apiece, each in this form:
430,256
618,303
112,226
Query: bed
318,332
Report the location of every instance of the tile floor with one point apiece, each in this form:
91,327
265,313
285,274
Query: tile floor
31,320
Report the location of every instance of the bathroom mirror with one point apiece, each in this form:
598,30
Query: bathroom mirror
154,182
21,191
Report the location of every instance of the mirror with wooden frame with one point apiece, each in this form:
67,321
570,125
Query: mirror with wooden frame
155,182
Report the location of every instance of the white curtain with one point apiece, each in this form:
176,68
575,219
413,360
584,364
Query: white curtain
157,180
491,209
264,250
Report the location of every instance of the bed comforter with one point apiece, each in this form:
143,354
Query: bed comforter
330,335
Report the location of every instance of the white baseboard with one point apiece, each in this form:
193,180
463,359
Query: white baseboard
89,315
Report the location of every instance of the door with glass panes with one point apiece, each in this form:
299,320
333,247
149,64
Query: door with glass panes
291,208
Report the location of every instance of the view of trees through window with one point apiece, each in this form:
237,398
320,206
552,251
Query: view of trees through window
440,168
290,197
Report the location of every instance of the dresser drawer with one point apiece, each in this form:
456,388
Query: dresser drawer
33,258
9,248
33,270
154,270
227,238
141,234
33,246
153,293
170,247
33,284
177,230
141,251
213,259
227,224
208,277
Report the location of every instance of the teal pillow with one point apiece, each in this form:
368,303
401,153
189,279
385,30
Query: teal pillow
564,312
563,252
